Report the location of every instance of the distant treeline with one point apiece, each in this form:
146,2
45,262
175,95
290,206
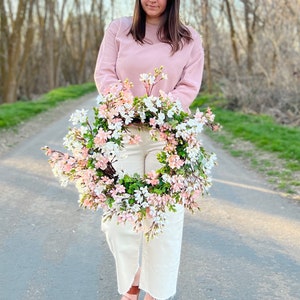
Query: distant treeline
252,48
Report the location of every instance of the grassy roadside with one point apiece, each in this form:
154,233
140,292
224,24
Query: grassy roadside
13,114
270,148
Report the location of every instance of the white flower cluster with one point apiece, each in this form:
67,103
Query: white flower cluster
79,116
95,147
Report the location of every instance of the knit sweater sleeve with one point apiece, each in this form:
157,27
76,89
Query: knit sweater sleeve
189,84
105,70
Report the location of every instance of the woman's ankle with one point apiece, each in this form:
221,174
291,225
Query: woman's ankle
148,297
136,279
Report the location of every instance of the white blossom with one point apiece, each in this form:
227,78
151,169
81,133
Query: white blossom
160,118
164,76
100,99
79,116
150,104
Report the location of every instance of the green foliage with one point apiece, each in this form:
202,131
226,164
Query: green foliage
181,150
132,183
13,114
263,132
205,100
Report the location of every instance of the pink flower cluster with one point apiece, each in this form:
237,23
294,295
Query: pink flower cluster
183,177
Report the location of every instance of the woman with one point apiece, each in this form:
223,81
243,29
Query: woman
153,37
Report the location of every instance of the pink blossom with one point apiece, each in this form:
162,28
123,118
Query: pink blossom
134,139
81,163
178,183
120,189
125,216
154,200
199,116
196,194
210,116
91,185
55,155
67,167
175,161
102,162
165,199
101,137
111,113
192,140
184,196
165,127
127,97
163,135
106,180
88,175
48,151
172,140
102,109
127,85
169,148
88,203
116,120
80,152
84,152
152,122
176,187
153,133
152,178
216,127
101,198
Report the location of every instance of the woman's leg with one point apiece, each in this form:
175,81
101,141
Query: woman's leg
161,258
148,297
161,255
124,244
123,241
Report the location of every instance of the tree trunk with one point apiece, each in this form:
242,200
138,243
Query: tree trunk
232,34
13,54
3,33
206,42
250,31
50,44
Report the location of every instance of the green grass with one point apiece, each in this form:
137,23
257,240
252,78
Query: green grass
211,100
263,133
260,130
14,113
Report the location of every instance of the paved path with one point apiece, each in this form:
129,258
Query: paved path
245,244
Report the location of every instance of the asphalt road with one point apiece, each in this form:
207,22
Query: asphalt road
244,244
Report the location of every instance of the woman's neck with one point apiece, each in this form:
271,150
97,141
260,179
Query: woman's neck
153,21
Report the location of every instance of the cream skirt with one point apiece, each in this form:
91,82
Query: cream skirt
158,258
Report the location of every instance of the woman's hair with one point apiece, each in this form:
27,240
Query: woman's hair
171,29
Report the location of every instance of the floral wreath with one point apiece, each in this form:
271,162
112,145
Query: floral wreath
184,174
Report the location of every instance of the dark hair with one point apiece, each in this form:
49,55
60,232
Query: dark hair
171,29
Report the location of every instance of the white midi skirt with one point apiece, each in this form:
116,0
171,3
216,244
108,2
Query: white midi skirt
159,257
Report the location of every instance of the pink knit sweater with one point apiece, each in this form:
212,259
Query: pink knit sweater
120,58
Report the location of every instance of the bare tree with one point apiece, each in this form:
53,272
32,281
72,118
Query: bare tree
252,48
232,33
251,20
45,44
15,53
206,34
